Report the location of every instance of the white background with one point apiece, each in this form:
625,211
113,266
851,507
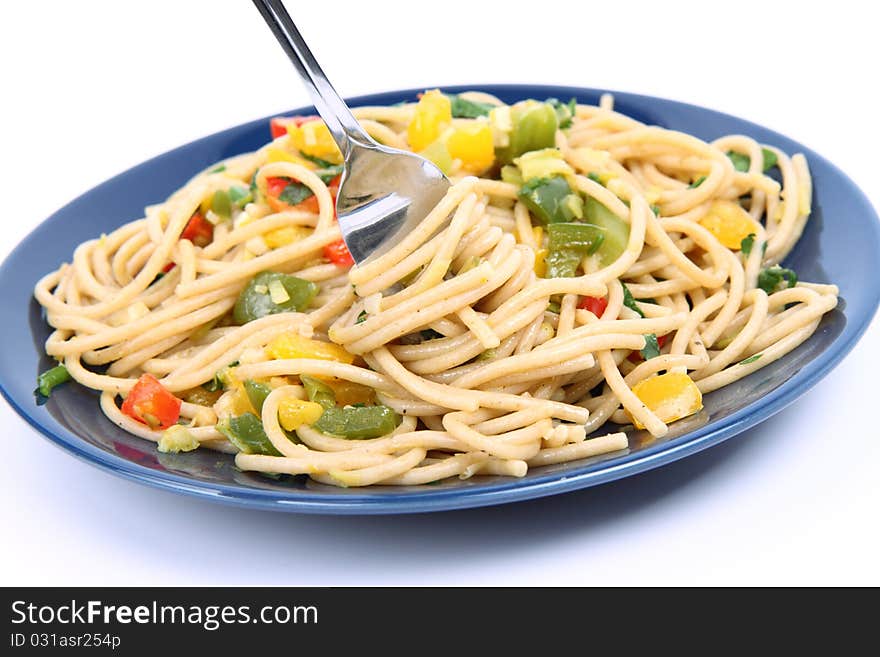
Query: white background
92,88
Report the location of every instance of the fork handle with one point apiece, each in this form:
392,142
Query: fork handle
343,126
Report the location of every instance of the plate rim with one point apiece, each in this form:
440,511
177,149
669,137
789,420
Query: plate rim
507,490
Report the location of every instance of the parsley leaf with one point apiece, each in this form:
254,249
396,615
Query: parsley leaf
772,278
652,347
740,162
323,164
770,159
295,193
630,302
747,242
564,111
699,181
362,317
595,178
750,359
468,109
218,168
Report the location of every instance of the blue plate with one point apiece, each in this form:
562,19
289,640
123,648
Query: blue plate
73,420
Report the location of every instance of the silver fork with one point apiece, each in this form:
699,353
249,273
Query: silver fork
384,192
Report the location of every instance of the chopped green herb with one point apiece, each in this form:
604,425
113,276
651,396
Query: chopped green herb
629,301
241,196
431,334
656,210
564,111
740,162
295,193
652,347
323,164
362,317
747,242
750,359
771,279
468,109
595,178
328,173
218,169
554,307
699,181
743,162
52,377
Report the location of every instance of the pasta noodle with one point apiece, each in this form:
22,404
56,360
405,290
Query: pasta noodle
500,335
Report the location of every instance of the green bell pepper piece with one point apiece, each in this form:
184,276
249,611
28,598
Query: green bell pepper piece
358,422
546,198
318,391
568,244
256,393
616,230
246,432
255,302
534,128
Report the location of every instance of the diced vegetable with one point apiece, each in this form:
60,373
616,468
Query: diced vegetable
652,347
221,204
51,378
511,174
463,108
256,393
433,114
699,181
471,142
278,125
746,244
202,396
240,195
286,235
533,128
177,438
438,153
338,254
564,111
313,138
545,197
568,244
198,230
595,305
358,422
247,434
545,163
630,302
254,303
729,223
775,278
150,403
294,413
670,396
284,193
743,162
616,230
293,345
740,162
318,391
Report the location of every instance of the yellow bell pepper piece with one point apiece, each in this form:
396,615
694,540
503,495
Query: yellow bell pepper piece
294,413
670,396
471,142
285,236
313,138
293,345
541,262
433,114
729,223
348,393
277,154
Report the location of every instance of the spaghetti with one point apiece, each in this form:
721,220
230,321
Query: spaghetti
583,268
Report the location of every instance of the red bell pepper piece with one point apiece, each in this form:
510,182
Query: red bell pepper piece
151,404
